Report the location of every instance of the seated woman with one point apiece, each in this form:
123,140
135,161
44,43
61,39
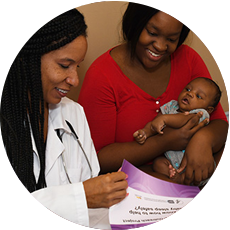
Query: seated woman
126,86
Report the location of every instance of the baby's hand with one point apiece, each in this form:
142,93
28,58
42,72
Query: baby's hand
158,125
140,136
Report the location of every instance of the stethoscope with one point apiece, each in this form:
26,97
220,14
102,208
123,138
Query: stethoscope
9,173
78,141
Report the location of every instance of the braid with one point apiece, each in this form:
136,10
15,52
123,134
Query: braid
22,103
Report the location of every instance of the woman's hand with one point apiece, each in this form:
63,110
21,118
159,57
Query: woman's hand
198,159
198,163
105,190
178,139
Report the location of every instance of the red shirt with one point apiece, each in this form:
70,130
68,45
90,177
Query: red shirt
116,107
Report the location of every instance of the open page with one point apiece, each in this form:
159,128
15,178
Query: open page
150,200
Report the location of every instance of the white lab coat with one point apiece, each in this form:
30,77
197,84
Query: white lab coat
64,199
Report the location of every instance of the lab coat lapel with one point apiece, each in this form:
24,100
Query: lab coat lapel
54,147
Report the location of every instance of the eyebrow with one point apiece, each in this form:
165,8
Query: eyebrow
200,90
67,59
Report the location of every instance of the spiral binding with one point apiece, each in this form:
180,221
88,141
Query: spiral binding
190,219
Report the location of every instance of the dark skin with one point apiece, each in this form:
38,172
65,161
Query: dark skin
161,36
155,146
102,191
199,93
210,191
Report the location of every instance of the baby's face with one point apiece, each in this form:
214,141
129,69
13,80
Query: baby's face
198,94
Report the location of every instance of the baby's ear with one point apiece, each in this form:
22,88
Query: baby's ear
210,109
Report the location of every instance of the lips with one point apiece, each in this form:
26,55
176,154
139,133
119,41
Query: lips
61,90
154,56
185,101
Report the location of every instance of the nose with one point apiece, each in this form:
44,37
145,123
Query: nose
190,94
73,79
160,45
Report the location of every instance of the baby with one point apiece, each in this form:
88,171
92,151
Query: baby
200,95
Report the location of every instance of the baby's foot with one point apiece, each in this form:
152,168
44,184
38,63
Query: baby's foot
175,176
172,171
140,136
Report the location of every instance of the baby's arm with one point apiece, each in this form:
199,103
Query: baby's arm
142,134
173,120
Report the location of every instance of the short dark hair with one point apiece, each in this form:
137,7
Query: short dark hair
218,91
134,20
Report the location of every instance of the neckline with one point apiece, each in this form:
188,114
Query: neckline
146,95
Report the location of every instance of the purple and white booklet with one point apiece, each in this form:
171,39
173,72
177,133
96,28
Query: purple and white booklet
150,200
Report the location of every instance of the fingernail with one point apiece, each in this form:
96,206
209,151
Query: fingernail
119,169
127,194
126,176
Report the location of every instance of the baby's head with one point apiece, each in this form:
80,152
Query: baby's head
200,93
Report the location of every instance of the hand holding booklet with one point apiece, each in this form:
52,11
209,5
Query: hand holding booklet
150,200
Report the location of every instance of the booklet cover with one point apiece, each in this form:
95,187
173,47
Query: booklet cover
150,200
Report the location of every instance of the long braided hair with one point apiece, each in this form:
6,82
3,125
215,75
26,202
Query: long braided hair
22,106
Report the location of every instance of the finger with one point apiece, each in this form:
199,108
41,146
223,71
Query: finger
116,201
211,170
120,194
118,181
120,186
193,121
199,126
110,179
136,134
117,176
117,194
182,165
205,175
189,175
198,178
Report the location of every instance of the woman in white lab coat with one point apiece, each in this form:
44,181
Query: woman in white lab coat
46,135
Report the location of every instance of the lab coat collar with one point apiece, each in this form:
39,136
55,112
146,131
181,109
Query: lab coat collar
57,119
54,147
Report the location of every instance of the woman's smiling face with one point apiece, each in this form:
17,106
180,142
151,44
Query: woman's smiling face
158,40
59,69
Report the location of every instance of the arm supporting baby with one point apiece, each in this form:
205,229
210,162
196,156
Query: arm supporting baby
154,146
175,121
157,125
205,145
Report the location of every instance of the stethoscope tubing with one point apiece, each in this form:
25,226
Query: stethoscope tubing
79,143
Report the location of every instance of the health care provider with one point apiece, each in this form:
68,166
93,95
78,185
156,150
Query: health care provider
126,86
46,135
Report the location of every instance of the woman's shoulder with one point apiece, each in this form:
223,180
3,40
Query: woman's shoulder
187,56
104,69
69,110
185,51
110,59
102,59
70,106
